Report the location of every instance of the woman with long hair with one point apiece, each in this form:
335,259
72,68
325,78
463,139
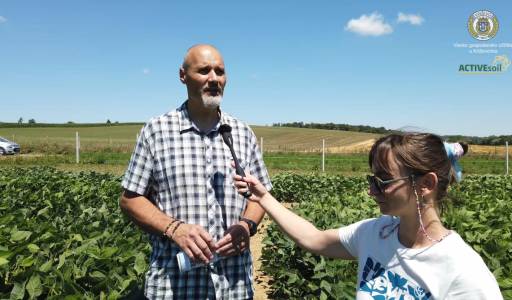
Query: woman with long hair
407,253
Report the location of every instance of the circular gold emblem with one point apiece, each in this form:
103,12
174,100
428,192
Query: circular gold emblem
483,25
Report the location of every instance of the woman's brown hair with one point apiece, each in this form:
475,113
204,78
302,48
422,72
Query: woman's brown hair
419,153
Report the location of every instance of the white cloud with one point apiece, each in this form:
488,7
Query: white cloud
413,19
373,25
3,19
146,71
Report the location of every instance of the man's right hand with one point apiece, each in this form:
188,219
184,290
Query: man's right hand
195,242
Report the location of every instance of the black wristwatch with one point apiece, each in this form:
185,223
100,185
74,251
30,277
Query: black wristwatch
253,227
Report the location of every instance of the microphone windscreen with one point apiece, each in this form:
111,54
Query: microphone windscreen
225,131
224,128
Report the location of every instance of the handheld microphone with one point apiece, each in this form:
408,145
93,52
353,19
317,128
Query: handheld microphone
225,131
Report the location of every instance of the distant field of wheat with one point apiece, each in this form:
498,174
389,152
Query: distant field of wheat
287,139
122,138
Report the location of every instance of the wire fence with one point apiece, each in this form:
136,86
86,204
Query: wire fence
317,152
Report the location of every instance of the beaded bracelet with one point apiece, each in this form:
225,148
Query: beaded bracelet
169,226
175,228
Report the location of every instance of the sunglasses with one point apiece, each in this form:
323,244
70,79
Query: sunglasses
380,185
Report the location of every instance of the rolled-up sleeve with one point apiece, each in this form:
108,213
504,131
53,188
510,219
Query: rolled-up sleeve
140,168
257,166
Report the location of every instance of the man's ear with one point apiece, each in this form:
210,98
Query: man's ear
183,75
428,183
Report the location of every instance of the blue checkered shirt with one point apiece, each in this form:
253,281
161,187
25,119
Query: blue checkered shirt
188,175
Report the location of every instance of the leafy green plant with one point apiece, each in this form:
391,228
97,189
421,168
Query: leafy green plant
63,234
480,211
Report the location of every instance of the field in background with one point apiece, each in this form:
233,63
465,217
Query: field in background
298,150
287,139
61,140
122,139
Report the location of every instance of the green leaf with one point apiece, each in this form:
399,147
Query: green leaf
126,283
108,252
46,266
113,296
62,259
34,287
27,261
19,235
292,279
33,248
325,285
18,291
506,283
140,263
3,261
97,275
46,236
43,211
323,296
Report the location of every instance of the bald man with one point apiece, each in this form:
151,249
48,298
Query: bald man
179,188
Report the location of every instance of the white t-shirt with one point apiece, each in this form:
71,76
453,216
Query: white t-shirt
450,269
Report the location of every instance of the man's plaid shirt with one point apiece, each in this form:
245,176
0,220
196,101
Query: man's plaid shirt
188,175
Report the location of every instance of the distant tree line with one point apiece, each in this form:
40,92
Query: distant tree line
332,126
68,124
492,140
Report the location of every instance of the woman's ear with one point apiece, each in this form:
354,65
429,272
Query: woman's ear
428,183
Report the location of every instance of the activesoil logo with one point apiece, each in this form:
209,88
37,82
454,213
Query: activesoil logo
499,65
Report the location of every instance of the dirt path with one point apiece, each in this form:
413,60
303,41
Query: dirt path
260,280
261,286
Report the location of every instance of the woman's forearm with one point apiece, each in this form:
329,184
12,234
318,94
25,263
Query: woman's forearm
305,234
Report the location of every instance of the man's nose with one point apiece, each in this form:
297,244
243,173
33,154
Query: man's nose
212,76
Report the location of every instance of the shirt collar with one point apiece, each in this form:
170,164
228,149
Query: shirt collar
186,124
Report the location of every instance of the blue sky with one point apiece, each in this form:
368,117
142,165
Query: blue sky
314,61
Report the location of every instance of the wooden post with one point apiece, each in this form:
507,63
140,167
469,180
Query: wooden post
506,155
323,155
77,148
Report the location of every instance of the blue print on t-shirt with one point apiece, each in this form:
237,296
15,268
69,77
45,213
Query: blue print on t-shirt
382,284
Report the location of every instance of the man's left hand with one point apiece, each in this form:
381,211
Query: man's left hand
235,241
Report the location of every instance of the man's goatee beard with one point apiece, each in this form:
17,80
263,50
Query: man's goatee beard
211,102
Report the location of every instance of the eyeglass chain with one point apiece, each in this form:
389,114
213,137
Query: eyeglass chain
382,235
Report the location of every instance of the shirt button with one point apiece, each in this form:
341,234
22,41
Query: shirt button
209,160
212,222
